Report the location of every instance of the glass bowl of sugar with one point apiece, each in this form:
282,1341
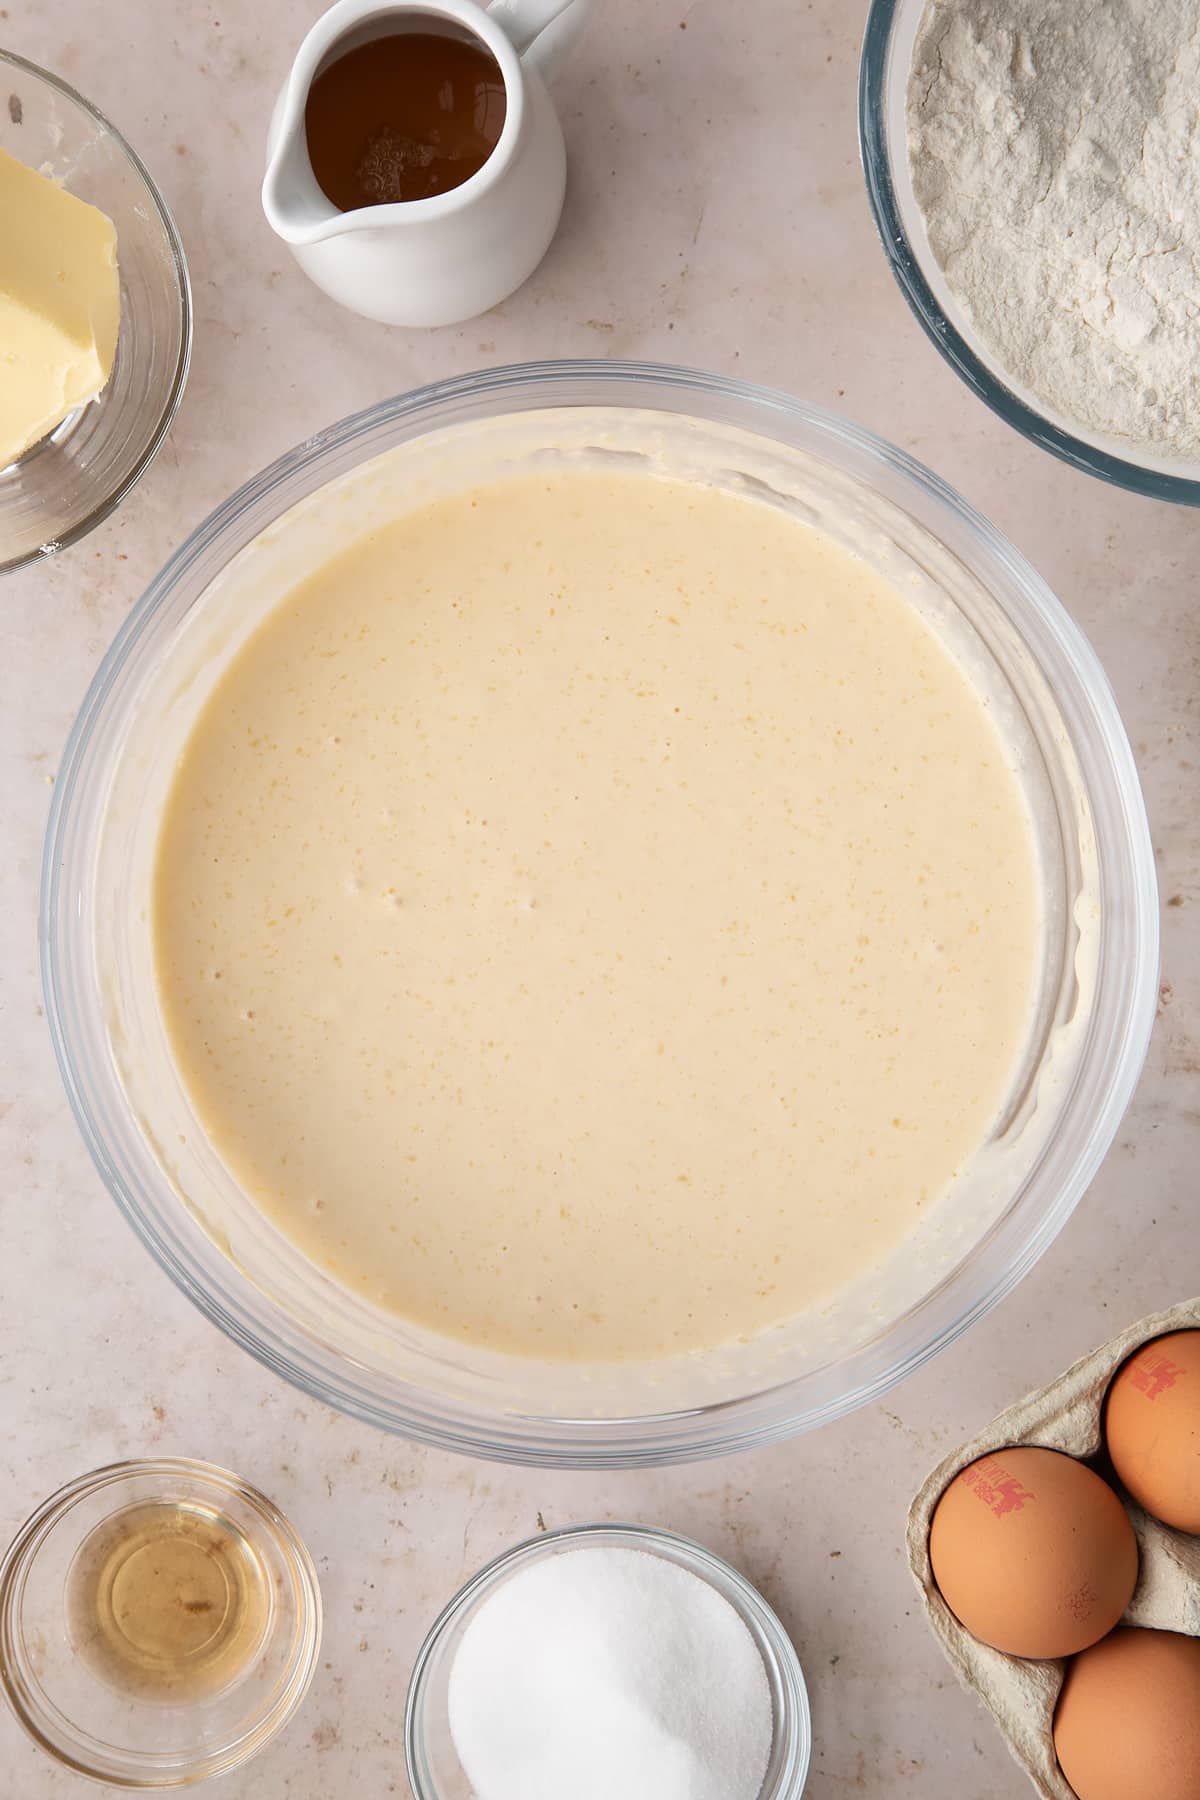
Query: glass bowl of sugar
1034,261
606,1659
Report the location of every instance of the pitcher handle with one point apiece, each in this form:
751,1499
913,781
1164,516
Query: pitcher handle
542,32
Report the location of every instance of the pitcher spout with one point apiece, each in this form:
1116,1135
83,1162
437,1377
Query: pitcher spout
296,209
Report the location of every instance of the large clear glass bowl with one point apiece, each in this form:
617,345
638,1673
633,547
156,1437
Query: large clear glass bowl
1099,962
61,487
891,32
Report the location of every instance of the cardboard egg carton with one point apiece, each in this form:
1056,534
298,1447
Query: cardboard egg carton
1020,1695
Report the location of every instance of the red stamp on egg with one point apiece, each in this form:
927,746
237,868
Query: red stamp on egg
1153,1373
991,1483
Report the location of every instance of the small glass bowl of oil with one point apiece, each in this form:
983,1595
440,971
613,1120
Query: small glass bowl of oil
159,1623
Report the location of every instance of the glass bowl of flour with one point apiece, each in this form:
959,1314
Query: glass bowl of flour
720,947
1031,165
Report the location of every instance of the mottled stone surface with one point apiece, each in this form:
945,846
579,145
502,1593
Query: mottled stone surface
716,216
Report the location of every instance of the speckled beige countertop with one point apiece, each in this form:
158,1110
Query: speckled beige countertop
716,216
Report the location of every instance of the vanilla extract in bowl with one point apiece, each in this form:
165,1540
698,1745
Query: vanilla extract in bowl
168,1602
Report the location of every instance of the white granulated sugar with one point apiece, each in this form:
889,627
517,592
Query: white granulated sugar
609,1674
1055,155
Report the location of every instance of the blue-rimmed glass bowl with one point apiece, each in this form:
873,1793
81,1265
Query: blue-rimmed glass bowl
1099,963
891,32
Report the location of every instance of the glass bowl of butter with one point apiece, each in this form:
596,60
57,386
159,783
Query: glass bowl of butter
95,315
595,914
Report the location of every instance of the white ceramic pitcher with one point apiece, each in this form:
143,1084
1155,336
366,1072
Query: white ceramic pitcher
446,258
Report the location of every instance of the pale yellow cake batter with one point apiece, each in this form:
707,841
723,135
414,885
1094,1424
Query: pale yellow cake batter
595,916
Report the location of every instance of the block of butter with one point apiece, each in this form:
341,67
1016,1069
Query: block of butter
60,303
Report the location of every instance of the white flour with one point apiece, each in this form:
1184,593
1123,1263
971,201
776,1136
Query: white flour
1055,154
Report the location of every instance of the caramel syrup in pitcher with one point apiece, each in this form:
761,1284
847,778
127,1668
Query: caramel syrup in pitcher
403,118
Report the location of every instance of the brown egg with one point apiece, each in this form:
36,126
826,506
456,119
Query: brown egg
1127,1725
1033,1553
1152,1428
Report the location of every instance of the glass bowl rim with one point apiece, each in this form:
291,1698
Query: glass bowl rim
983,380
21,1554
108,505
772,1411
744,1597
